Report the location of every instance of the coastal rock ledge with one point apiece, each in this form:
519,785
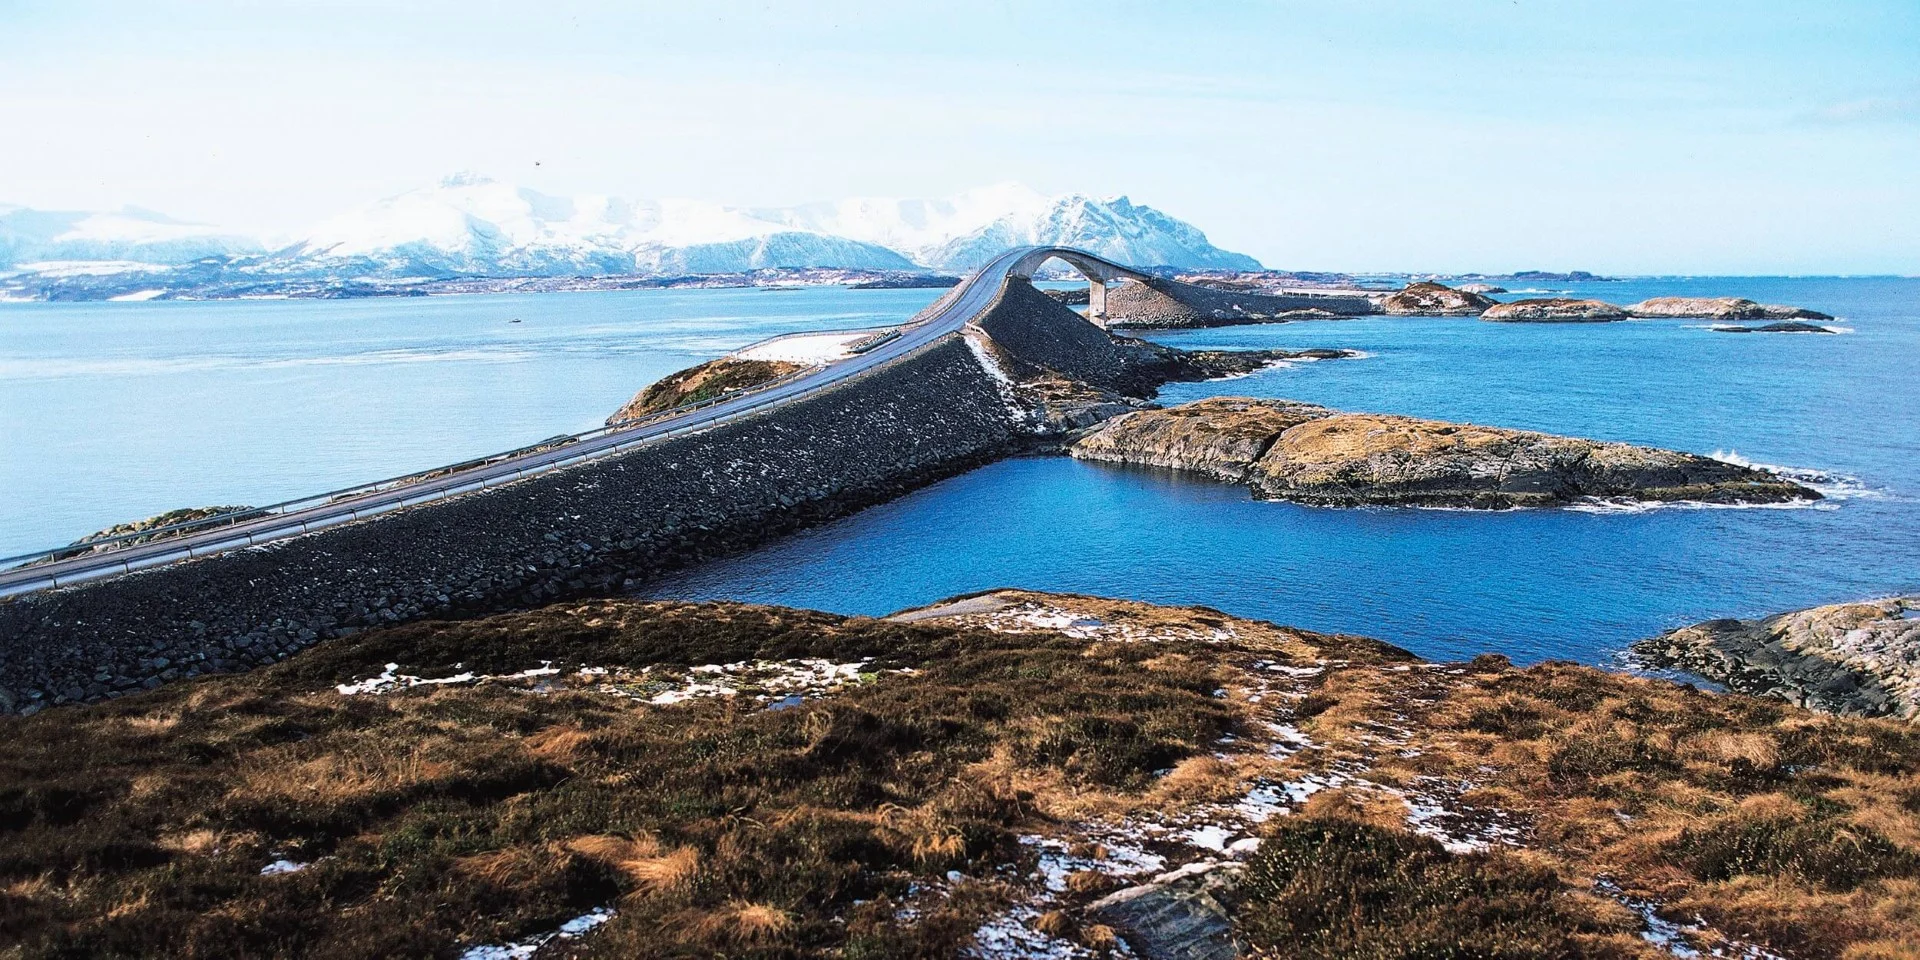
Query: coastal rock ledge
1312,454
1554,310
1860,659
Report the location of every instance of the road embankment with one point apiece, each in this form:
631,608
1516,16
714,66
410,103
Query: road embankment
586,529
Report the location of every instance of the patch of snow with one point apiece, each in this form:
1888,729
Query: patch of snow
280,867
1009,935
522,949
816,349
1211,836
138,296
1676,939
390,679
765,680
1120,858
1030,617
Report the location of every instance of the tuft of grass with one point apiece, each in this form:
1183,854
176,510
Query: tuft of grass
1821,850
1340,889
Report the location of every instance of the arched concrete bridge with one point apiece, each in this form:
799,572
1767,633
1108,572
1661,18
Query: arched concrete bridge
1099,271
950,315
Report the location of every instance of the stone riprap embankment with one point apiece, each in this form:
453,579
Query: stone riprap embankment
1069,374
1029,370
1859,659
1554,310
1311,454
1170,304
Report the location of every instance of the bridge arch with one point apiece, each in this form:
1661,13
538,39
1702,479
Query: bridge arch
1096,269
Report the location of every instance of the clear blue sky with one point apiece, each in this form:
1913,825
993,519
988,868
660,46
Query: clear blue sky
1615,136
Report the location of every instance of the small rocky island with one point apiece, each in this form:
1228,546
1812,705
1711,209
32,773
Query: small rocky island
1719,308
1790,326
1427,299
1312,454
1848,658
1554,310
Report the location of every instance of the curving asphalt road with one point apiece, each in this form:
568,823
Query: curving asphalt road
950,314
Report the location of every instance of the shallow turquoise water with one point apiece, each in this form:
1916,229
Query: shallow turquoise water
1534,584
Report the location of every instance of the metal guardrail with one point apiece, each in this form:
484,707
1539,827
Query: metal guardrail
80,548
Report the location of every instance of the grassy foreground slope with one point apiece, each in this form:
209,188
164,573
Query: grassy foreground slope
626,778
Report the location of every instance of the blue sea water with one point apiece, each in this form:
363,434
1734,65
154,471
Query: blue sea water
1533,584
116,411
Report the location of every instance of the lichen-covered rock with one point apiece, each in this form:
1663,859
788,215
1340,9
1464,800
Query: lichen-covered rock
1311,454
1222,437
1849,658
1720,308
1435,300
1554,310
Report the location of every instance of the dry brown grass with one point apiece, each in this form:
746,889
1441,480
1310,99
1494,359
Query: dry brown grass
1677,795
1198,780
438,819
652,869
742,924
287,775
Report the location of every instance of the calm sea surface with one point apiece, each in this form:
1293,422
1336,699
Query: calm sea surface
115,411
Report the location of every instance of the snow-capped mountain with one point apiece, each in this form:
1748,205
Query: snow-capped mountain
40,236
472,226
967,230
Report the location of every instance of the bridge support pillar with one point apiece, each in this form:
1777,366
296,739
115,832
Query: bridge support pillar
1097,301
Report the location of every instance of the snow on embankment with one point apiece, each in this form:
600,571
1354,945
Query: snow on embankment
816,349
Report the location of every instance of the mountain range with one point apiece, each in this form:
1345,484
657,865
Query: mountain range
472,226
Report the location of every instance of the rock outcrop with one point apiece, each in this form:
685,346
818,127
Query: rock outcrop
143,527
1170,304
1554,310
1311,454
708,381
1482,288
1719,308
1849,658
1435,300
1790,326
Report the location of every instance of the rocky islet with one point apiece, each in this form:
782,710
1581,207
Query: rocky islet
1312,454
